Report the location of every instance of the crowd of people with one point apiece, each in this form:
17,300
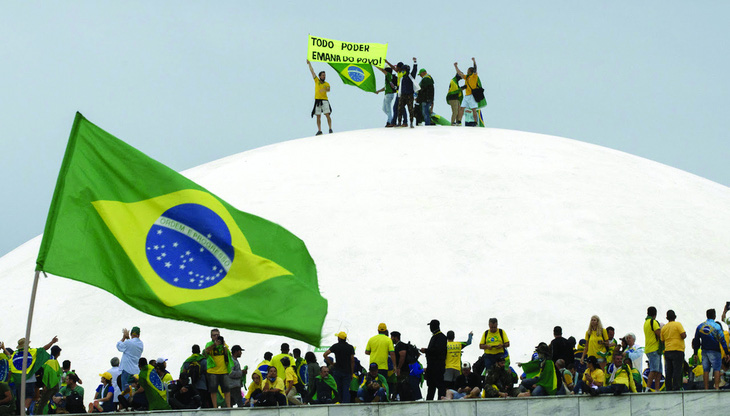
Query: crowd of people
409,100
212,376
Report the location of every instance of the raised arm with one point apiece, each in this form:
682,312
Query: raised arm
311,69
461,74
53,341
415,68
475,65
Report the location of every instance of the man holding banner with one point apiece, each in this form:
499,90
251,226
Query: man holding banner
321,103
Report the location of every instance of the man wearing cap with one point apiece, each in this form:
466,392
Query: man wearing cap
425,96
235,378
493,342
673,335
131,348
379,348
374,387
344,365
37,356
435,361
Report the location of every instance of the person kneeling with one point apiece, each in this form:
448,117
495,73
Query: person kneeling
374,387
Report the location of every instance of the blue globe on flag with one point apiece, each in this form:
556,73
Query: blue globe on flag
356,73
189,247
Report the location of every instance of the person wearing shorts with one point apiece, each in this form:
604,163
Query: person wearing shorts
710,337
321,103
471,80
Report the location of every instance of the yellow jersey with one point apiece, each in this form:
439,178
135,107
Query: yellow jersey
320,89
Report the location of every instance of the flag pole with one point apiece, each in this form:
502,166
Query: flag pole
26,347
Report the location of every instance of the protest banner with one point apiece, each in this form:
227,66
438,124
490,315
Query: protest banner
335,51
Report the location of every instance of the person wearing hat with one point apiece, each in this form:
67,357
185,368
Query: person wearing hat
425,96
379,348
374,387
161,369
38,357
131,348
546,380
235,377
344,366
673,335
435,361
104,396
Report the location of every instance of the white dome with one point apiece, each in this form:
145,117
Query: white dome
457,224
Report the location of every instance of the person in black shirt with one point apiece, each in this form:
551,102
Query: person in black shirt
435,361
467,385
184,395
401,349
344,365
561,347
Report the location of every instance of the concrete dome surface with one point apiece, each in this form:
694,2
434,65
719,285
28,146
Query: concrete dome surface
456,224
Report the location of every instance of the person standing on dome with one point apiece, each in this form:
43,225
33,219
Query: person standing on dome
321,103
471,81
710,338
131,348
390,88
596,341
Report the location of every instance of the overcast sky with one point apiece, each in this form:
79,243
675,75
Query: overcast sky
191,82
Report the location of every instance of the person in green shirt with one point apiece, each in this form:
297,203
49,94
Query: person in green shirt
7,401
71,396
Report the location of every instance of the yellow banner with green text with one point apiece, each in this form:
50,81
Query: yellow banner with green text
335,51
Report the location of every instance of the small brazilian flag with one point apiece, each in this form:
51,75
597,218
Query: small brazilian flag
163,244
359,75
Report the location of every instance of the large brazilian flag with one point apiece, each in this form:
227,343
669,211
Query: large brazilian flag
130,225
359,75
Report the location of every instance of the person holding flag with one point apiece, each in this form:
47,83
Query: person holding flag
321,103
390,88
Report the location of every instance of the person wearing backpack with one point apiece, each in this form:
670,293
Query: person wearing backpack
710,338
494,342
71,396
471,81
652,334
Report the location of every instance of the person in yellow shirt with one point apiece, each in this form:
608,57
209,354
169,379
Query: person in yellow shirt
673,335
596,340
593,378
379,348
493,342
290,382
321,103
471,81
254,390
272,390
453,358
621,380
652,333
